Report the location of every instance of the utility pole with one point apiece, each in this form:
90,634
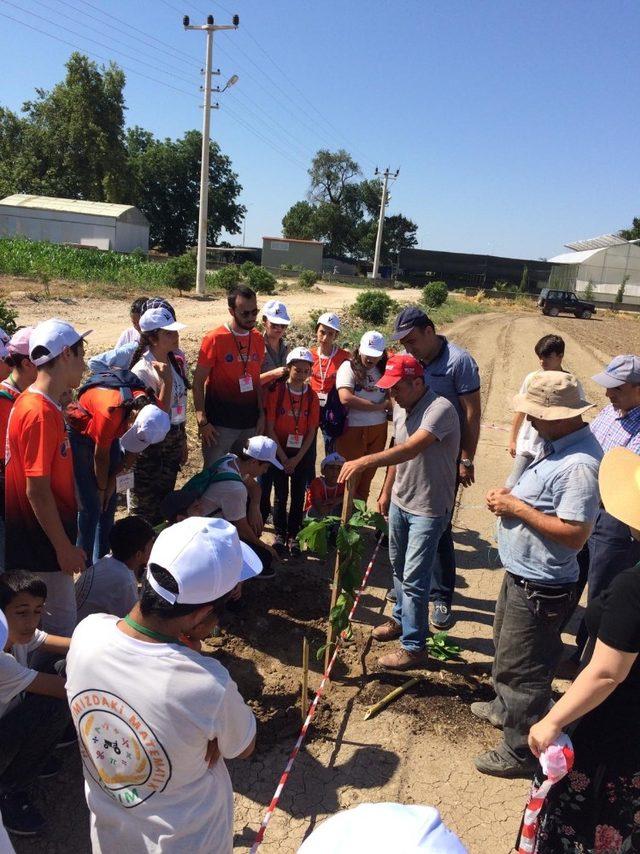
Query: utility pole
209,28
386,177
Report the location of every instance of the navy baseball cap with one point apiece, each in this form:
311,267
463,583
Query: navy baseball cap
408,319
621,370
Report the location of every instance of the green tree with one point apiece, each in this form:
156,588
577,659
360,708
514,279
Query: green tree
632,233
330,173
166,188
299,222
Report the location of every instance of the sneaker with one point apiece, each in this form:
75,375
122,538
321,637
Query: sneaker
388,631
50,768
390,595
68,737
495,764
404,660
280,545
441,616
19,815
294,548
483,711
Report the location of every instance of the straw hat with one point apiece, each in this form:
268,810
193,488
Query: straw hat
552,396
619,479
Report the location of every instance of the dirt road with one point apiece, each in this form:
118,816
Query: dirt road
421,749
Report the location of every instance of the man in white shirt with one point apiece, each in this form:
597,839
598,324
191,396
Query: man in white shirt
155,718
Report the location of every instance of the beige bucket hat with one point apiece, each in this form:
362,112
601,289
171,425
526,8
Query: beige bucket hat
552,396
619,479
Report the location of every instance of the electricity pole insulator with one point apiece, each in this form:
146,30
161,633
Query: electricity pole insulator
209,28
384,201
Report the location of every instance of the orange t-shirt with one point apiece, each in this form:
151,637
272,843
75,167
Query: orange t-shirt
292,414
37,446
8,396
318,491
323,373
104,426
234,363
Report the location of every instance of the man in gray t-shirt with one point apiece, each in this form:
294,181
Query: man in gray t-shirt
417,496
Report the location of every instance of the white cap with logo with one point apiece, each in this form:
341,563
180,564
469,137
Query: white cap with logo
372,344
276,312
330,319
205,558
53,335
159,318
299,354
150,427
263,449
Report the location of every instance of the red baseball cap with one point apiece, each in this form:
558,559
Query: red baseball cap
400,367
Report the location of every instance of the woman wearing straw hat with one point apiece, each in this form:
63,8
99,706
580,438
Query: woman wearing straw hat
597,806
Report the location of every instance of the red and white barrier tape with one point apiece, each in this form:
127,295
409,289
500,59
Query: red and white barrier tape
557,762
312,710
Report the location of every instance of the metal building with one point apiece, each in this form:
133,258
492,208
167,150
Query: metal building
277,251
464,269
603,263
73,221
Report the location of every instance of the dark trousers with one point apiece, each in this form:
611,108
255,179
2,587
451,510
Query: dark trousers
28,733
288,524
528,647
266,486
610,550
443,578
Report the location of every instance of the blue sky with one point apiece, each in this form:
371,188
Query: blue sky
513,123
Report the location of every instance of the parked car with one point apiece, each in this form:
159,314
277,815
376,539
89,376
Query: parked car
553,302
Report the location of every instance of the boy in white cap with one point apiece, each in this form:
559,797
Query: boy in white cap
41,510
155,718
324,493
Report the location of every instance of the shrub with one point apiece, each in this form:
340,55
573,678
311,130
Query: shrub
588,291
261,280
435,294
8,318
307,279
247,268
374,307
180,272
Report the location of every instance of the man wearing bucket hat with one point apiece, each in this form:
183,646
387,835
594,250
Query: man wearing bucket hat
41,510
543,522
155,718
611,548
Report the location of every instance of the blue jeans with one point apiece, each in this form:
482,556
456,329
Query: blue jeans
413,545
94,524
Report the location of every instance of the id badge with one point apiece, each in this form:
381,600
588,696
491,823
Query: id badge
322,397
294,440
177,414
125,481
246,383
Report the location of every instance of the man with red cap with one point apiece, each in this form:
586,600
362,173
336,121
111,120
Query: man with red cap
417,496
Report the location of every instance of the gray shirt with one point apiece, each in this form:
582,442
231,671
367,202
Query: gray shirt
273,359
426,485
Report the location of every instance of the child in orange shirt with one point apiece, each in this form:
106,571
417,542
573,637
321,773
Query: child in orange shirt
325,494
292,416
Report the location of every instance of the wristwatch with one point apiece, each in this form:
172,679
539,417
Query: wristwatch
467,463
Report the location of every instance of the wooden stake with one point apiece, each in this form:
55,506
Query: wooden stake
377,707
304,706
347,508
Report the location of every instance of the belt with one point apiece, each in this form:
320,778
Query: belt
543,588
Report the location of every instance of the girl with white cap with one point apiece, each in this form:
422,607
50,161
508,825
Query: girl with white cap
367,405
162,367
327,358
275,318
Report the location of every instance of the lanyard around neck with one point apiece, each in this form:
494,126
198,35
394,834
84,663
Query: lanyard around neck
239,348
323,376
150,633
297,417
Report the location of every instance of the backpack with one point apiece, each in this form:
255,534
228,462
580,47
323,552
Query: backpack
125,381
333,419
201,481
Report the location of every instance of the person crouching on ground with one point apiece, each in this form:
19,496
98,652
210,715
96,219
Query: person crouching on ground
324,493
542,525
155,718
417,496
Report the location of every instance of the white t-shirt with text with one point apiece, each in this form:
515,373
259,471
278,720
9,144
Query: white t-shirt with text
346,378
145,713
15,676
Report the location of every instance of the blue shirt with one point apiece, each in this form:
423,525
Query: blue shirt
453,372
615,430
562,483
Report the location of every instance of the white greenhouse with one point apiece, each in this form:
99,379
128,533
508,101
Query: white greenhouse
605,263
73,221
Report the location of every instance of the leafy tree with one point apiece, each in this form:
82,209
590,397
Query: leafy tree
330,174
632,233
620,292
166,188
299,222
181,272
435,294
588,291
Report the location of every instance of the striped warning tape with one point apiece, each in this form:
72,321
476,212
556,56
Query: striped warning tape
312,710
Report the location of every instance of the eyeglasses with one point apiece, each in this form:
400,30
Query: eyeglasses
253,312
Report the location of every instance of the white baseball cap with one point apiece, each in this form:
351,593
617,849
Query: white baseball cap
333,459
372,344
264,449
299,354
150,427
54,335
159,318
380,828
330,319
206,559
4,630
276,312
